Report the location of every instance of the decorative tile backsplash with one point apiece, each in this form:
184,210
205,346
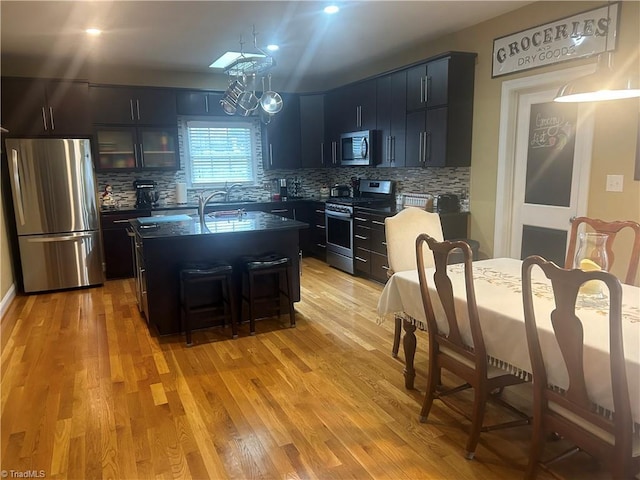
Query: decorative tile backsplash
408,180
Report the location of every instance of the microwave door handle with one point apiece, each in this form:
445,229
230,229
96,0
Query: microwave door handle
364,148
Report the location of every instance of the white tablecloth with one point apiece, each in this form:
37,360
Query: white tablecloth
498,289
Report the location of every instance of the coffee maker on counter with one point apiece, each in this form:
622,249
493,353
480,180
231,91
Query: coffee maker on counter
147,194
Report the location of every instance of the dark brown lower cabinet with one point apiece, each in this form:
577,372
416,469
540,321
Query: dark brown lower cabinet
117,244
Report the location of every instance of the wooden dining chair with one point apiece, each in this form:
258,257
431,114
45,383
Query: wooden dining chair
570,413
401,231
452,352
611,229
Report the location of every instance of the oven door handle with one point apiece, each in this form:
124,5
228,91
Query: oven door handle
338,214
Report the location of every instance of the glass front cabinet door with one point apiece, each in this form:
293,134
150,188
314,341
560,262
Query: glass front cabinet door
159,148
131,148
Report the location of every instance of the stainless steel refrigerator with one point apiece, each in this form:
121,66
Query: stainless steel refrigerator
57,220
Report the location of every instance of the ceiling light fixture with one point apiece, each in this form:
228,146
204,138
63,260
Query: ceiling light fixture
331,9
94,32
603,84
273,47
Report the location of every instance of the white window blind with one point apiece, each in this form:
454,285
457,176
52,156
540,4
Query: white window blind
220,152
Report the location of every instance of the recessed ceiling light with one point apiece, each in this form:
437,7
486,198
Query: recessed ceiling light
94,32
331,9
273,47
229,57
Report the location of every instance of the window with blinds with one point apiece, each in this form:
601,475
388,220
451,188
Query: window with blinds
220,152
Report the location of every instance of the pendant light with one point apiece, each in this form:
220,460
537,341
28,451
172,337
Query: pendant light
603,84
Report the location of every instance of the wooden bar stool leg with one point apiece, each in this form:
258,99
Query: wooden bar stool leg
252,293
232,307
292,312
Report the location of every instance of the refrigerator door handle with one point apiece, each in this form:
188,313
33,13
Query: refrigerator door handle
16,184
62,238
53,126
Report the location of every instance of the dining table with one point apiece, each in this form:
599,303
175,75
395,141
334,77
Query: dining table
498,290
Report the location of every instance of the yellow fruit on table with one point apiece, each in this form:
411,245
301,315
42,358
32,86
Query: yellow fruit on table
589,265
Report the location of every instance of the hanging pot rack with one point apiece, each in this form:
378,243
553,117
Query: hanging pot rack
249,66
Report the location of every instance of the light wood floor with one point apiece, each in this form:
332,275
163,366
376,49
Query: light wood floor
88,393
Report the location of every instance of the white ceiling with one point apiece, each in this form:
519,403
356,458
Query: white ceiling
188,35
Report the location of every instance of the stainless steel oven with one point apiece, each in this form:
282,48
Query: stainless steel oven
339,220
339,230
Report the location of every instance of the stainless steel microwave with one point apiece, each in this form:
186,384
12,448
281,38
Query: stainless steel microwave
357,148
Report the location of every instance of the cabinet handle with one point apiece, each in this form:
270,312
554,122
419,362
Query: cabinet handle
424,150
427,146
322,153
44,119
282,210
384,267
321,227
53,126
427,88
422,89
360,237
420,148
141,155
270,155
138,108
121,221
334,152
206,104
320,211
384,243
377,222
131,108
361,260
360,218
321,245
393,148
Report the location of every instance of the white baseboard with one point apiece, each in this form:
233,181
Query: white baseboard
6,300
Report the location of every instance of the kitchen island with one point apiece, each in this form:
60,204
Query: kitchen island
164,244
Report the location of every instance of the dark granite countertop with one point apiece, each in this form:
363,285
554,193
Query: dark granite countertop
393,209
188,226
192,206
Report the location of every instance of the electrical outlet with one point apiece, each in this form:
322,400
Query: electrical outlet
614,183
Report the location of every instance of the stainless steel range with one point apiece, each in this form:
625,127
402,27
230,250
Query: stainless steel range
339,219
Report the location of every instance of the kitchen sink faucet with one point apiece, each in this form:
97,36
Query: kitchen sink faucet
204,200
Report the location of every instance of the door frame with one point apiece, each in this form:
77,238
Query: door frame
511,92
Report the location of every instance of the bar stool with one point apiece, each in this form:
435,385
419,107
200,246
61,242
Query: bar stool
267,294
207,288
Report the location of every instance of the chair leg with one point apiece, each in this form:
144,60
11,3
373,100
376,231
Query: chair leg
535,451
252,292
396,336
292,312
479,404
433,376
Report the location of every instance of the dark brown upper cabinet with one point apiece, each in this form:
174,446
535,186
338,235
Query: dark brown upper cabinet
195,102
115,105
43,107
281,136
312,140
392,118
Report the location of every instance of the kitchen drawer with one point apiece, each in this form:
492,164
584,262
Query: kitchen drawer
379,267
362,260
378,242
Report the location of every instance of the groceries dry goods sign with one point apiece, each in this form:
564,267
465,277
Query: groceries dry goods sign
581,35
